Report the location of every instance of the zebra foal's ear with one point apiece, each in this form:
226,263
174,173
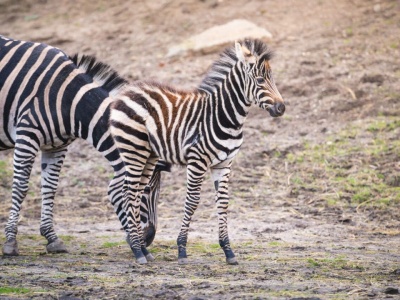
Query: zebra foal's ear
243,54
239,52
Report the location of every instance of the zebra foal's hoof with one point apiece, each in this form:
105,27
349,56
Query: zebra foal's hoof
150,257
232,261
182,261
141,260
56,246
10,248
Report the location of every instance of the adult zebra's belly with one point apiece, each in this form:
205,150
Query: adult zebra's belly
7,140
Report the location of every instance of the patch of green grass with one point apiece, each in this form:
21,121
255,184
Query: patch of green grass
313,263
337,262
33,237
202,247
6,290
362,195
112,244
165,247
349,31
383,125
275,244
346,169
67,238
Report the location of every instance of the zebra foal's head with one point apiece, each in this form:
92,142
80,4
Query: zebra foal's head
253,57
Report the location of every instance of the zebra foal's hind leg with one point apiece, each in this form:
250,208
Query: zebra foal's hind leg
195,176
24,156
52,162
135,153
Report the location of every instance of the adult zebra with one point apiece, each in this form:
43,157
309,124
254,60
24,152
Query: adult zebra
47,101
201,129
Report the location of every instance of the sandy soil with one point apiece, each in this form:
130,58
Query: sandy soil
315,194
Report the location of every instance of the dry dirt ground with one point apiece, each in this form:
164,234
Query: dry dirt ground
315,195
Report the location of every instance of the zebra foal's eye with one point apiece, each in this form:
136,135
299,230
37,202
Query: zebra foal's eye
260,80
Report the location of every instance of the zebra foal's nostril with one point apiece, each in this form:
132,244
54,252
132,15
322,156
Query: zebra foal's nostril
280,108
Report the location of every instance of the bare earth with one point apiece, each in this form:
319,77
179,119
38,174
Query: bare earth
315,194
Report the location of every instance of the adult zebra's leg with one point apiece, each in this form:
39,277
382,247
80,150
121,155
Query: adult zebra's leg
52,162
220,176
149,202
24,156
147,174
195,177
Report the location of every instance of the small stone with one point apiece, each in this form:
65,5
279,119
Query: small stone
377,8
84,204
396,272
391,291
377,78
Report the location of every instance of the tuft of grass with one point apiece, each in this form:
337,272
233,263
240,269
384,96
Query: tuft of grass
313,263
274,244
6,290
66,238
362,195
33,237
112,244
205,248
337,263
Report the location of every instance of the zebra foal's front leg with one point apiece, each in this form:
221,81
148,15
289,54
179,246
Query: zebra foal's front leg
51,168
220,176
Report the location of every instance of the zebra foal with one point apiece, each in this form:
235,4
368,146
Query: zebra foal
202,129
47,100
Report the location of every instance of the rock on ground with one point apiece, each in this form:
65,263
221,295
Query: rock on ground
213,38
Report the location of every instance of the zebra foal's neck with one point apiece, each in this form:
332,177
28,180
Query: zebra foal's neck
207,120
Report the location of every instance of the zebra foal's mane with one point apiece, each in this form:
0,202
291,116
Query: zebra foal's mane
106,76
228,58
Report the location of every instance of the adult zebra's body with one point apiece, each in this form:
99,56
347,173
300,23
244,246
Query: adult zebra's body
47,101
201,129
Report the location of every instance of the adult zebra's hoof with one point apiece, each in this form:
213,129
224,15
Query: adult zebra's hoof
56,246
149,233
182,261
232,261
150,257
10,248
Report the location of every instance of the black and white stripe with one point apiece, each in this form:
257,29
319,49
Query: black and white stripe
47,100
201,129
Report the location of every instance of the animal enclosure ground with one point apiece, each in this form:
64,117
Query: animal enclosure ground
315,195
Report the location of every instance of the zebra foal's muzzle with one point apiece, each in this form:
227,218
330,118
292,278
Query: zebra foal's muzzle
277,109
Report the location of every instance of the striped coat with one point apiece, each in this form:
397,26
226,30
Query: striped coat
47,100
202,129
